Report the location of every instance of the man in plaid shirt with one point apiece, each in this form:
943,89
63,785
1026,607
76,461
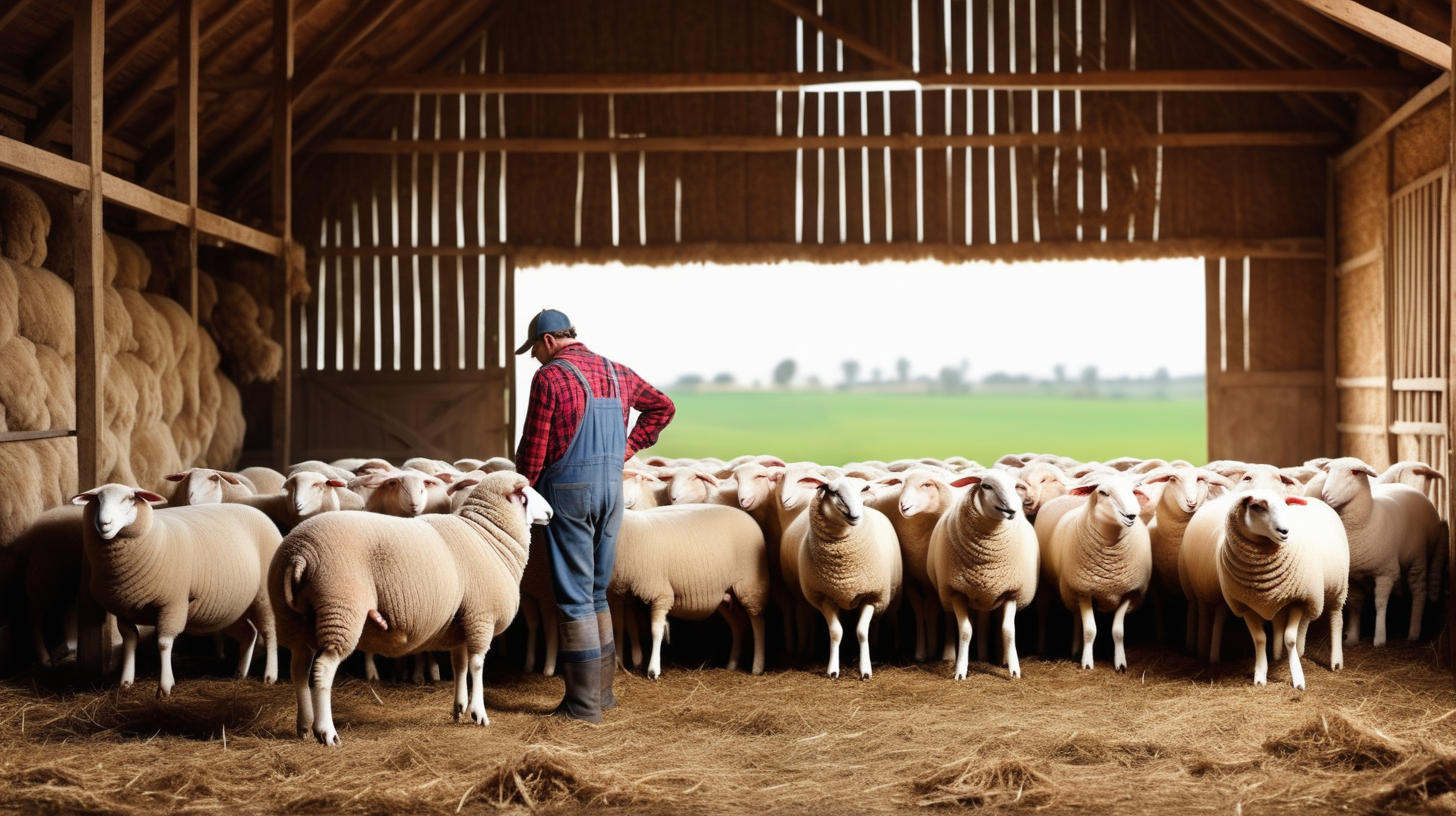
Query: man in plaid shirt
572,448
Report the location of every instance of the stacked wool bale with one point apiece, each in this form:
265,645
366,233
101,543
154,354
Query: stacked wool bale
166,405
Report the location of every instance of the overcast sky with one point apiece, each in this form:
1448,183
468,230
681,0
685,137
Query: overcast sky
1125,318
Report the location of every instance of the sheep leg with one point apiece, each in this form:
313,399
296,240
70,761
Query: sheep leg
532,613
1281,620
948,650
477,684
1119,651
1261,659
659,629
170,622
434,667
1416,578
1207,622
1008,638
548,622
128,651
983,644
72,625
836,632
1355,604
634,633
965,628
862,632
735,626
459,664
418,678
246,634
1089,632
324,668
619,631
1291,642
371,673
759,641
1215,645
1383,585
301,668
1303,631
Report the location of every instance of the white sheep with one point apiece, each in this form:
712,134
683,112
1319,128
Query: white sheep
1095,554
983,555
923,496
188,569
1284,559
403,493
303,495
1394,532
691,561
263,479
207,486
396,586
1185,489
693,485
325,468
1198,554
847,557
1044,482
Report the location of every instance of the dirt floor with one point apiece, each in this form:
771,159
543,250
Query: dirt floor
1170,735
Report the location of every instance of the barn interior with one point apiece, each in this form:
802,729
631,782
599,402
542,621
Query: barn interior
321,207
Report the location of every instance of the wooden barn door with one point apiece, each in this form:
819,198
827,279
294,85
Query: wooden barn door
1267,382
402,356
1417,320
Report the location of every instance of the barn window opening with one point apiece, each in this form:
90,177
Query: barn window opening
1091,359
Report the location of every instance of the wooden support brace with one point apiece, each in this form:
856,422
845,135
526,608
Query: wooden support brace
185,156
1393,33
282,175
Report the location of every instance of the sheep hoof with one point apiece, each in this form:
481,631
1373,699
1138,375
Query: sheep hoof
269,680
653,675
1015,674
866,675
479,717
959,676
1298,686
329,737
834,675
459,709
1087,666
163,692
1122,669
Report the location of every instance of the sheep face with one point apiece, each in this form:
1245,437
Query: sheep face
795,490
632,486
401,492
1044,482
1187,487
308,492
1116,500
203,486
840,500
535,507
996,494
923,493
690,486
1348,481
1265,477
117,507
1262,515
755,484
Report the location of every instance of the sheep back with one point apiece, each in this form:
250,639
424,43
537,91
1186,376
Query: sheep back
691,554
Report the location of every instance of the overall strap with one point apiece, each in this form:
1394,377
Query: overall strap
579,376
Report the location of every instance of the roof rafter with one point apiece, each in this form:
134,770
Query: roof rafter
1393,33
56,56
855,43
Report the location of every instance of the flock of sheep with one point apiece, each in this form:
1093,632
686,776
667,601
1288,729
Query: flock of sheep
441,556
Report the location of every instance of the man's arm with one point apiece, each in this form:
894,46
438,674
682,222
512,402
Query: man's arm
531,454
656,410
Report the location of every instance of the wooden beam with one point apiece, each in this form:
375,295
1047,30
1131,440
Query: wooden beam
783,144
1333,80
282,212
32,436
31,160
341,44
1332,34
184,173
56,56
89,34
12,10
1427,95
853,42
1449,342
1379,27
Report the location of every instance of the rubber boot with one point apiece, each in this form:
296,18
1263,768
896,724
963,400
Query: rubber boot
579,663
609,659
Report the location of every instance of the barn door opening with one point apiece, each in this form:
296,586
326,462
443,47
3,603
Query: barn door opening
1417,319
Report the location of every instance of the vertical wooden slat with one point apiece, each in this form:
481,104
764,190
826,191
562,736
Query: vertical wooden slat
185,156
508,271
89,31
1449,342
282,185
1332,397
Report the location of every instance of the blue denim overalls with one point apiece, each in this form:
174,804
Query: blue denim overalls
585,491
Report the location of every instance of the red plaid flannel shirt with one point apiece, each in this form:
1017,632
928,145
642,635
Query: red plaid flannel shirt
557,403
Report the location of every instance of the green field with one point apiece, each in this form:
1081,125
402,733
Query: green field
836,427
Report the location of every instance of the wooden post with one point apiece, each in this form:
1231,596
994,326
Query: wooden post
90,33
508,268
1332,394
1450,342
283,226
185,155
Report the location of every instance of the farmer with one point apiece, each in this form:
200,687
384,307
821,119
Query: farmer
572,448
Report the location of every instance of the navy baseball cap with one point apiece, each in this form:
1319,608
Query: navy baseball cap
545,321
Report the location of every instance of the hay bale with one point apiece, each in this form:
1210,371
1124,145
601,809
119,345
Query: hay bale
47,308
149,329
120,399
1421,144
25,221
23,387
226,445
25,483
176,326
117,329
251,355
58,374
61,258
133,268
206,296
9,301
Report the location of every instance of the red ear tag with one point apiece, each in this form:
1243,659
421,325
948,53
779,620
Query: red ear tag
1295,500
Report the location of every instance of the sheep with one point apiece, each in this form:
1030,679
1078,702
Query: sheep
1394,531
45,565
1415,474
924,495
303,495
490,465
1197,556
434,467
691,561
1095,553
642,490
396,586
847,558
264,479
689,485
983,555
188,569
1044,482
1284,559
775,511
206,486
1185,490
322,467
403,493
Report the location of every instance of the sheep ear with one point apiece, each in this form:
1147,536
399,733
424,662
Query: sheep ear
1081,490
85,498
889,481
336,483
1143,499
149,497
463,484
810,480
1157,475
1290,482
1022,488
1216,480
1295,500
708,477
447,478
1428,472
1367,470
176,477
228,477
367,480
966,480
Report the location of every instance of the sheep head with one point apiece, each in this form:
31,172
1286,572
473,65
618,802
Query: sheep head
115,508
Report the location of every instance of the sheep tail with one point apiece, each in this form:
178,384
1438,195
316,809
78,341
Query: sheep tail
379,619
293,581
